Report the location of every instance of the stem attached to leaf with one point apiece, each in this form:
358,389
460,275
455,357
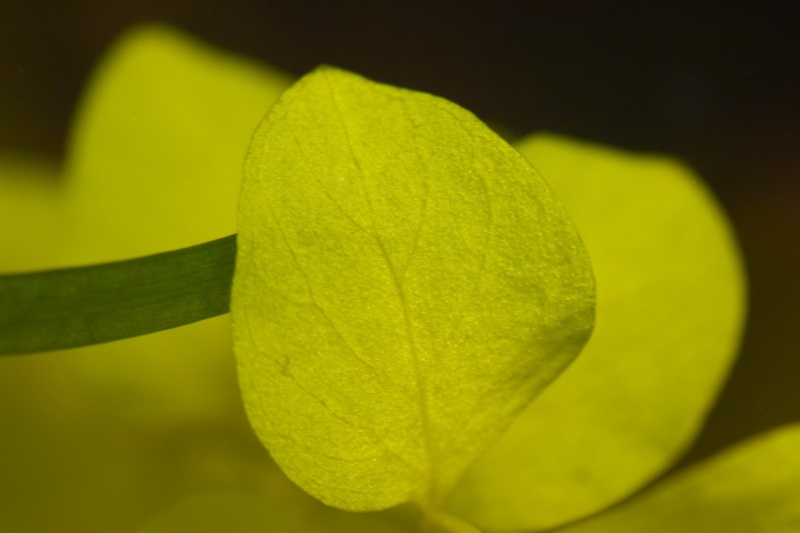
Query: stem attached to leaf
60,309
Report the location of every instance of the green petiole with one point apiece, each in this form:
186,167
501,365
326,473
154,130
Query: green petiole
58,309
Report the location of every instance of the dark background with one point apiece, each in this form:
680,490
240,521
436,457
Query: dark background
717,84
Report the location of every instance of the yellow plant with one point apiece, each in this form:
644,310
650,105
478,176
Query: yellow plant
409,298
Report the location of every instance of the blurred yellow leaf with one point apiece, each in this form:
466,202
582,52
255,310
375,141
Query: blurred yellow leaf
28,205
242,512
158,145
155,163
753,487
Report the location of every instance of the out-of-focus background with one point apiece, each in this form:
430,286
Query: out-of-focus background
716,84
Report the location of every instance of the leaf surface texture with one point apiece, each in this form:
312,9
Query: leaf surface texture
405,284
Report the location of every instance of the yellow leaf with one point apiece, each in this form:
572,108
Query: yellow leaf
245,512
753,487
156,151
406,283
28,200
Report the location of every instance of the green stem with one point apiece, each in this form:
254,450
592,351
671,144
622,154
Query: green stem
59,309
